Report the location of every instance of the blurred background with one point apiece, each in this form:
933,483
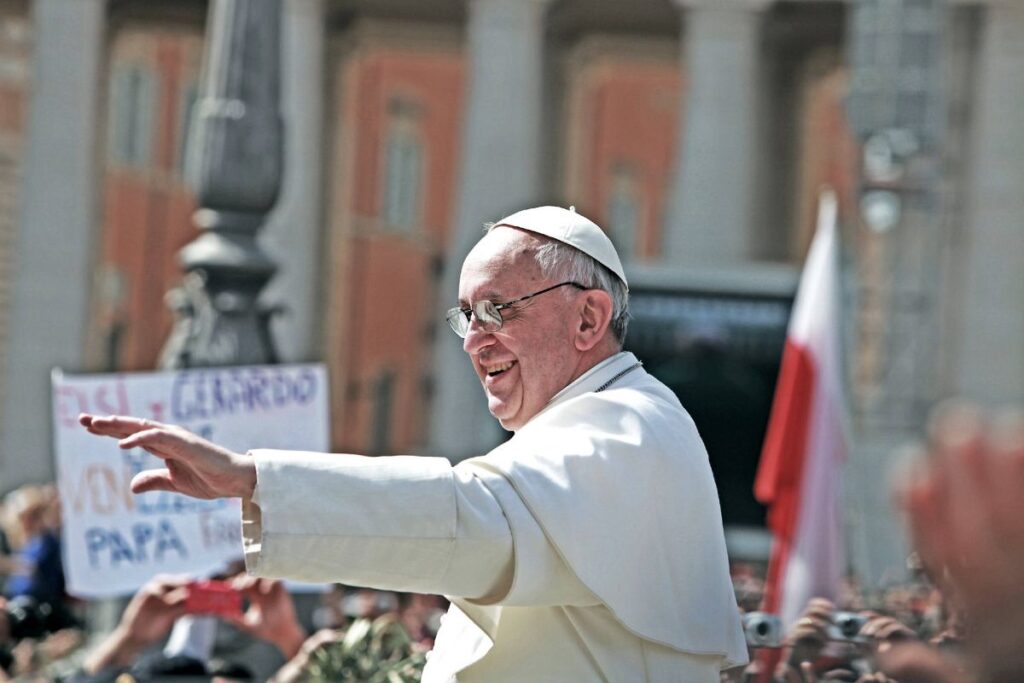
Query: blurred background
698,133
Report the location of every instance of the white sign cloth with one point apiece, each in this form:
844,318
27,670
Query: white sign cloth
115,541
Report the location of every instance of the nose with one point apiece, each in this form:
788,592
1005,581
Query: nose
477,337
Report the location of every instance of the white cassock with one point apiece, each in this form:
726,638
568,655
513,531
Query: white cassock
588,547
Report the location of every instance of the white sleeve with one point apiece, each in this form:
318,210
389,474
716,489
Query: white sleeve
540,576
403,523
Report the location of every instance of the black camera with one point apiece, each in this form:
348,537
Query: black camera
762,629
28,618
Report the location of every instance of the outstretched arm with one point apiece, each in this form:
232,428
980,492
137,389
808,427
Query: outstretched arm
195,466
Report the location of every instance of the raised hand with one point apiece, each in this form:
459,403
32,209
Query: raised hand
271,614
148,618
195,466
966,516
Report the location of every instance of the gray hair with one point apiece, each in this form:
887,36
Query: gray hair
560,261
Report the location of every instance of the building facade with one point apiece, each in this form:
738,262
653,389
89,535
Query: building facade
697,132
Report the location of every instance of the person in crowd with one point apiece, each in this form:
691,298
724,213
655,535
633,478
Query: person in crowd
38,570
6,551
587,547
154,609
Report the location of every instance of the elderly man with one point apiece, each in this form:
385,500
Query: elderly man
588,547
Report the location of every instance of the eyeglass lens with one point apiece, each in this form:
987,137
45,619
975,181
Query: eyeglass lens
486,313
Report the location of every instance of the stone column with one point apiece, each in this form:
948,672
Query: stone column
55,240
713,206
239,144
501,170
991,323
295,228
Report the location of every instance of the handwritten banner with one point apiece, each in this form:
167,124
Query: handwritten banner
114,541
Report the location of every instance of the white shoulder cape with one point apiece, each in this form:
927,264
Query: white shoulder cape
620,482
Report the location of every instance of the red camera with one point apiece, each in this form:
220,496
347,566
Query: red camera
213,597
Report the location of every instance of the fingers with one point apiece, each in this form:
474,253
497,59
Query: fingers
135,432
117,426
160,441
176,597
239,621
1006,443
153,480
165,583
254,588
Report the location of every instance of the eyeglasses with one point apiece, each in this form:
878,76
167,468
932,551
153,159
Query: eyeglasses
488,313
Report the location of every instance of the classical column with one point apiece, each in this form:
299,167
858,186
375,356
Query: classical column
501,168
712,211
295,228
56,234
991,326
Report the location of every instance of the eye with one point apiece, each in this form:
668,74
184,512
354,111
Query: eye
508,311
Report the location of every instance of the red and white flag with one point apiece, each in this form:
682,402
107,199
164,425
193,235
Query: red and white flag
799,476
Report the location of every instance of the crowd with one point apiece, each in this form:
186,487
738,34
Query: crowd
357,634
959,620
962,620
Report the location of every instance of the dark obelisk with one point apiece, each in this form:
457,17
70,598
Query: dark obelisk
235,169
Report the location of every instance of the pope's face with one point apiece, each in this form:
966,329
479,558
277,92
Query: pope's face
533,356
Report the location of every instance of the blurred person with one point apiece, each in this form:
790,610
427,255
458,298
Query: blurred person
6,551
805,643
589,546
330,613
367,603
51,508
39,571
161,604
966,515
147,619
421,614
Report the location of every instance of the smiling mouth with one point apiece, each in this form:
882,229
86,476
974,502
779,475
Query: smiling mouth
499,369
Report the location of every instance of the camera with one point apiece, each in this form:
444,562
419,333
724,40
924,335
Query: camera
846,626
213,597
27,618
762,629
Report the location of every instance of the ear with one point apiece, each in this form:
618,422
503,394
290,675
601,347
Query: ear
595,314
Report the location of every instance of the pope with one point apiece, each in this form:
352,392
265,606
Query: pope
588,547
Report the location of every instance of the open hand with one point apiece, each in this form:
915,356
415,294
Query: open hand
966,517
195,466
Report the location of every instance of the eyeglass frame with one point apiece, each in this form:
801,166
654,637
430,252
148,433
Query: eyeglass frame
469,312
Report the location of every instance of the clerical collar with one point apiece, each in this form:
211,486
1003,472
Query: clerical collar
617,377
597,378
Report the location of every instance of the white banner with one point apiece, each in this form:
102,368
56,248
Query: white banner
115,541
